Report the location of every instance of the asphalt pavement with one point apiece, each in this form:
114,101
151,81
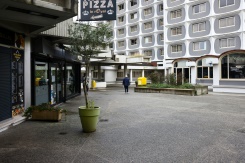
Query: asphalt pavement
135,128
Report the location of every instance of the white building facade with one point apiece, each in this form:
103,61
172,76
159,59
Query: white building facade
138,37
204,42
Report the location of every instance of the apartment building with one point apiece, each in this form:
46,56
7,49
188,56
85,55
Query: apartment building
204,42
138,38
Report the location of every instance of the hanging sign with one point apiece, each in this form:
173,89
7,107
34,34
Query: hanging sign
97,10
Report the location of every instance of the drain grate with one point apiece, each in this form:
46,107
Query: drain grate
104,120
242,130
63,133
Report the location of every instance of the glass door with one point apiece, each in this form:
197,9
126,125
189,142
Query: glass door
55,84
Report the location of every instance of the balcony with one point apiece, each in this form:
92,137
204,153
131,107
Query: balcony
138,59
35,16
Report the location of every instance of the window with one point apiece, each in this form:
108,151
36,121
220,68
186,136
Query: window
227,22
133,28
133,41
148,25
121,19
121,44
134,53
136,73
148,39
161,51
224,3
199,8
161,7
120,7
201,45
133,15
120,31
233,66
227,42
176,48
174,0
120,74
161,36
176,14
204,70
147,11
133,2
198,27
176,31
148,53
161,22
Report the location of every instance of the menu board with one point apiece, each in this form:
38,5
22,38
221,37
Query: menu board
17,68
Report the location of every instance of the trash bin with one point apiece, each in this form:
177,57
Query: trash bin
142,81
93,84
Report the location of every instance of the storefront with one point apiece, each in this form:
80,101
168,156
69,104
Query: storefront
56,75
11,74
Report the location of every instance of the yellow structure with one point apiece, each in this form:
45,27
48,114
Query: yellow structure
93,84
142,81
37,81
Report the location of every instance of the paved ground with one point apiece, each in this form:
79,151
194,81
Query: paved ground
138,128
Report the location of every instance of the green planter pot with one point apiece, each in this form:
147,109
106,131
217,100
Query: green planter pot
89,118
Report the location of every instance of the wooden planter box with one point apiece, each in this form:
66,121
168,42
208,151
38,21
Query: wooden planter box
46,115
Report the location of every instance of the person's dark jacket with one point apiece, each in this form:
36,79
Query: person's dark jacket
126,81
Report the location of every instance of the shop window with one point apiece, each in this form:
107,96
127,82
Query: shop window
204,70
70,80
233,66
41,83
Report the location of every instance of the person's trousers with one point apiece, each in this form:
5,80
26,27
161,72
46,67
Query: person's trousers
126,88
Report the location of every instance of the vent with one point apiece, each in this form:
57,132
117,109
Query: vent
31,12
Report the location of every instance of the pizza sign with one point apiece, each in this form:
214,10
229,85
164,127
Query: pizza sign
97,10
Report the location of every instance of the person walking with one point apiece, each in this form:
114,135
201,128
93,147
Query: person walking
126,83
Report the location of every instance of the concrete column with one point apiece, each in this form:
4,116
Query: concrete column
125,70
143,73
131,75
193,75
99,72
216,74
27,72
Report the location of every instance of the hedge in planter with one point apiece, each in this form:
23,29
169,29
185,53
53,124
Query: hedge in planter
44,112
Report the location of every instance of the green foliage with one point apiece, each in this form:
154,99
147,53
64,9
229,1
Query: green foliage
164,85
91,104
154,77
87,40
170,79
44,106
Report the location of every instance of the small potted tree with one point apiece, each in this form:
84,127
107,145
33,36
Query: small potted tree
87,41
